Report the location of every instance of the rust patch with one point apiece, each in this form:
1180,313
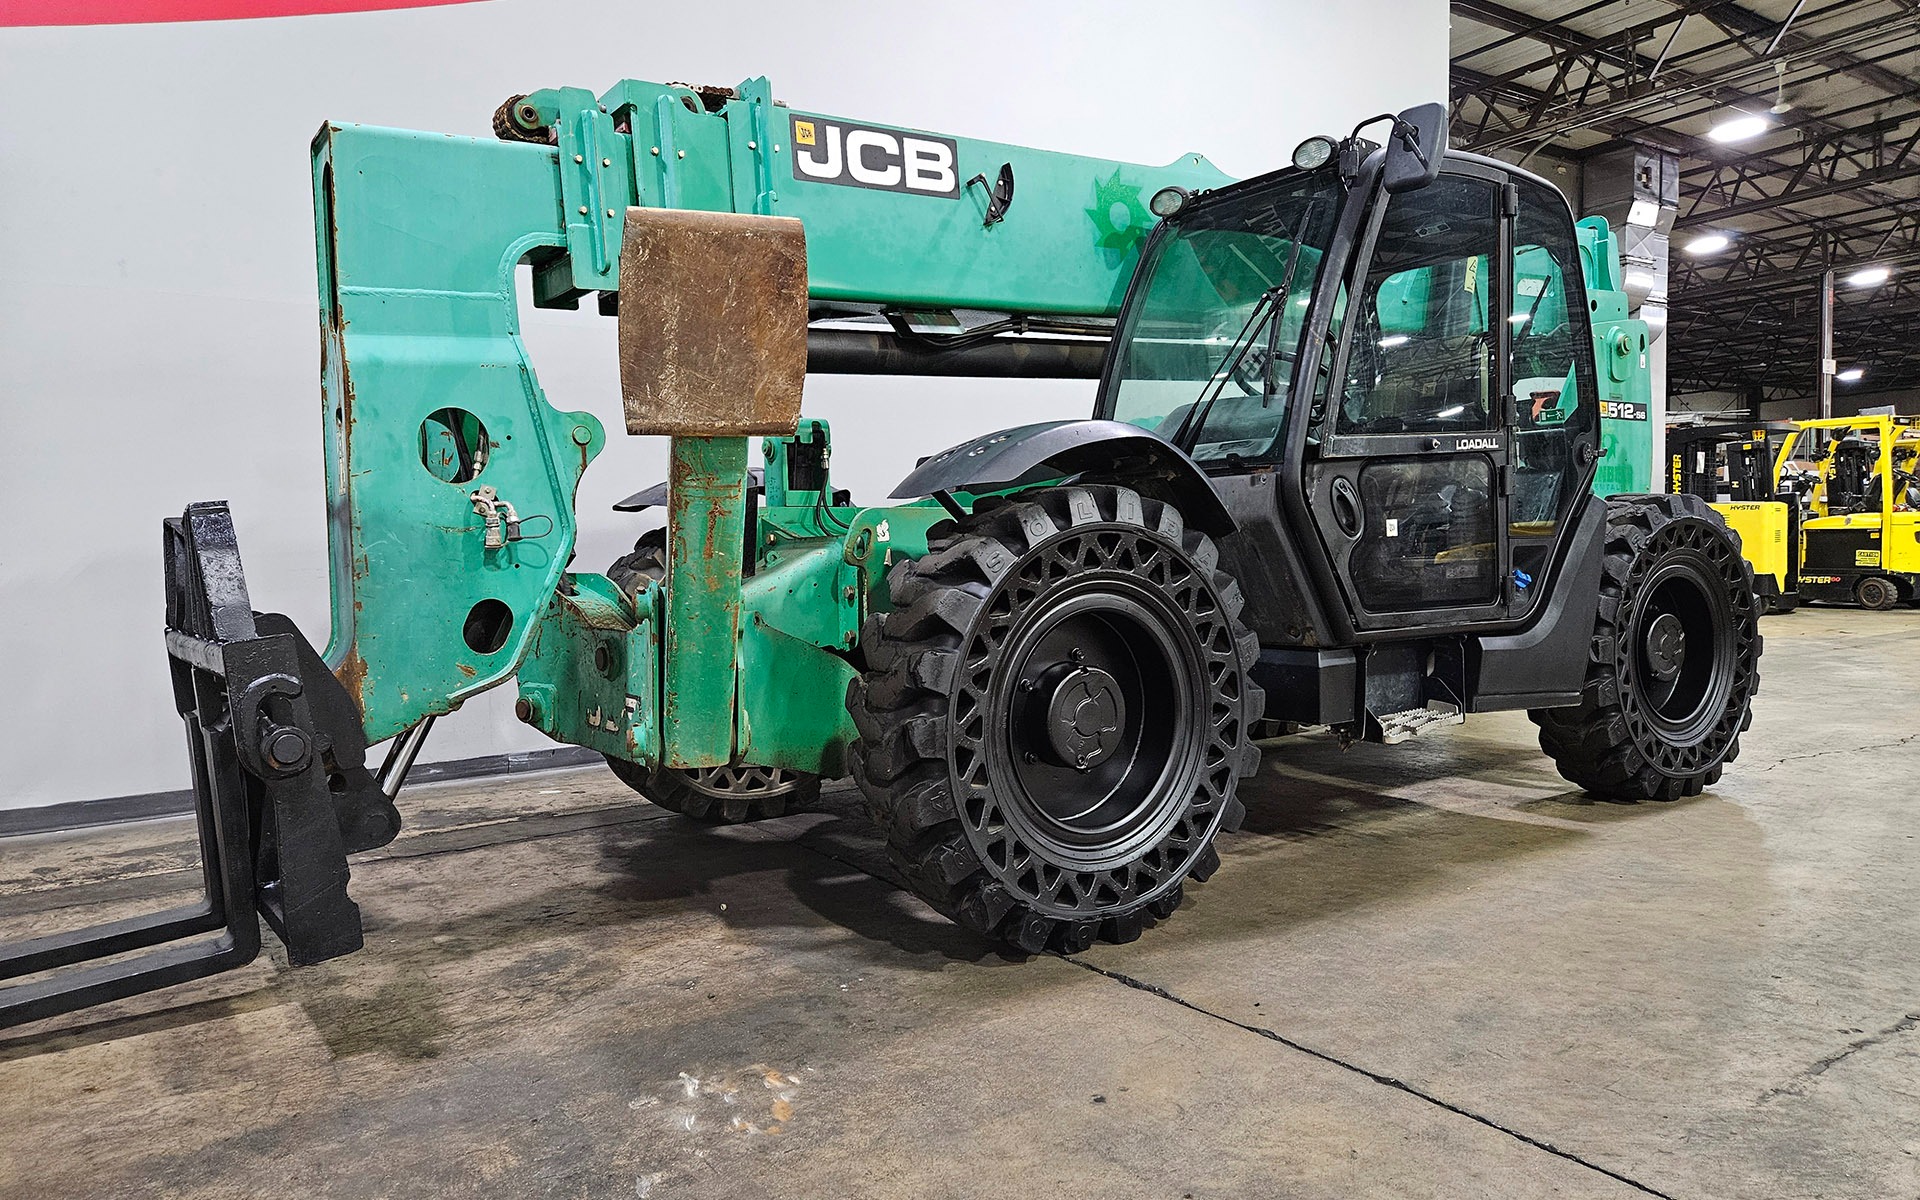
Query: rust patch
716,513
352,674
466,670
713,323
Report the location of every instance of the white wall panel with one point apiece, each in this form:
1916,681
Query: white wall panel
158,342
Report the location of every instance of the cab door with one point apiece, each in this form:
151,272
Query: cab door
1407,477
1553,398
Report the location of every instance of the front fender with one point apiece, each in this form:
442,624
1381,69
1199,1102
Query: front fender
1107,451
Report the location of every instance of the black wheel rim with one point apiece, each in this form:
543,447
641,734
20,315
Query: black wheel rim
737,780
1094,723
1683,673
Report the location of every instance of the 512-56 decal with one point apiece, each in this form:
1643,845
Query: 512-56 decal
1623,410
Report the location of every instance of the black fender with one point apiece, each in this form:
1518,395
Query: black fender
656,496
1106,451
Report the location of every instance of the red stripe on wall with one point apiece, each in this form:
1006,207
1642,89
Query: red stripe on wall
138,12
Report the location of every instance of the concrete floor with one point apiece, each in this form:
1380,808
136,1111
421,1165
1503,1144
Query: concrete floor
1425,970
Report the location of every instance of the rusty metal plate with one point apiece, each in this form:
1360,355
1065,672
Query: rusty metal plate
713,323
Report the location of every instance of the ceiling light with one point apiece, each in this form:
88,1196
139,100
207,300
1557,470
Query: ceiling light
1739,127
1518,319
1709,243
1394,339
1869,277
1852,375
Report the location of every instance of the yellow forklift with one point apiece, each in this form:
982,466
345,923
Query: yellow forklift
1860,543
1732,468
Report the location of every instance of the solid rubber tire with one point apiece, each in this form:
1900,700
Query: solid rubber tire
927,775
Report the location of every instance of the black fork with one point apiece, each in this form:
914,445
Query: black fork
281,795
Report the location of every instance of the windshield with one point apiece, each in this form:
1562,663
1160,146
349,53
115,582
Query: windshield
1199,358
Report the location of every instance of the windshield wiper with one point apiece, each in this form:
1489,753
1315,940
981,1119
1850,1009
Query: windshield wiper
1210,390
1273,300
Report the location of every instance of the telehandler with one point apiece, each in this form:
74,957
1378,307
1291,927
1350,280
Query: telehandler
1339,473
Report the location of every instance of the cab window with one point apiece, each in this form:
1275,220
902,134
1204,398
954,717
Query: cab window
1551,365
1421,358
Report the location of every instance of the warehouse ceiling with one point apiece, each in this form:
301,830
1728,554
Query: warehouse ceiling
1834,179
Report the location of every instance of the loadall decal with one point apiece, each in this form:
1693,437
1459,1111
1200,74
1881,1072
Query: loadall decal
872,156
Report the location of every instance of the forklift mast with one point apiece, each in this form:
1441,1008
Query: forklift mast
1732,463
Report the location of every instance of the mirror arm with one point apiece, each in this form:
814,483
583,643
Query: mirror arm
1410,138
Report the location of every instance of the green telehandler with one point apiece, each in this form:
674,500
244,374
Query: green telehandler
1343,471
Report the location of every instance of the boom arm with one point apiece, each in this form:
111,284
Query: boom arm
428,390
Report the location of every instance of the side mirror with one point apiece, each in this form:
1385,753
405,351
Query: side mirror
1414,148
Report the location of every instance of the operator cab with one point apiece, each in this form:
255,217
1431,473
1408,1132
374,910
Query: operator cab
1390,350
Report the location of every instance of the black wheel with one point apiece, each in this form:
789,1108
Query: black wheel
1674,661
724,795
1876,593
1057,715
647,562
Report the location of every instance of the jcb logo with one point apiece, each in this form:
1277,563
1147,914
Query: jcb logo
867,156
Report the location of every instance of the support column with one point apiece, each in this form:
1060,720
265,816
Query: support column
706,545
1826,364
1637,189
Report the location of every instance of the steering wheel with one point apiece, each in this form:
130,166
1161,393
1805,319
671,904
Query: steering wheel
1906,490
1259,364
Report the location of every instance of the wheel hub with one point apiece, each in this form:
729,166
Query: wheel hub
1095,723
1085,716
1666,646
